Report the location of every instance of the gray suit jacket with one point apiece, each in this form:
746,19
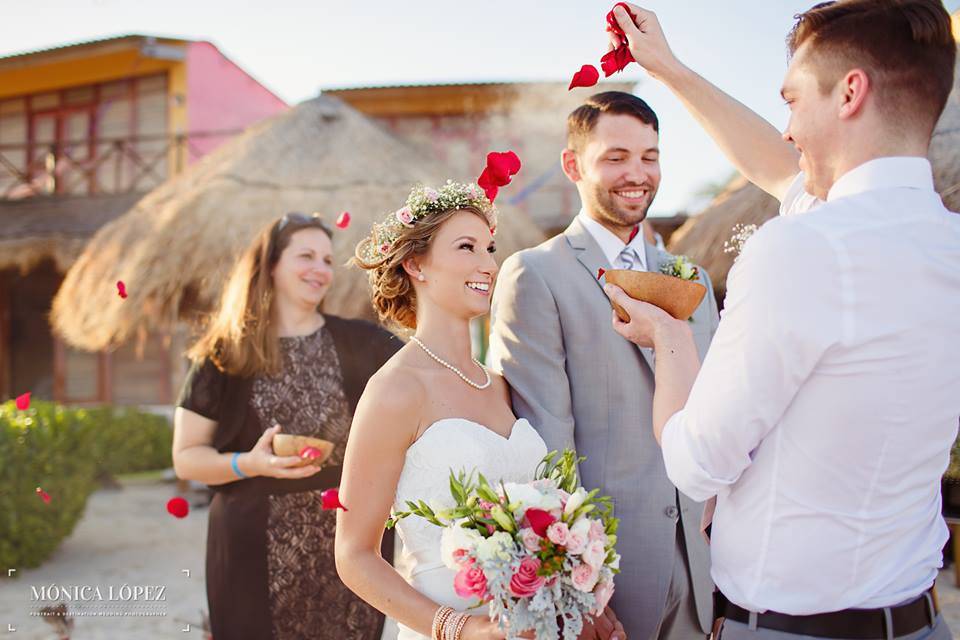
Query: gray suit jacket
585,387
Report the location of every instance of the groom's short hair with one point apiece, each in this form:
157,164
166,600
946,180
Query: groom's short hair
906,47
582,121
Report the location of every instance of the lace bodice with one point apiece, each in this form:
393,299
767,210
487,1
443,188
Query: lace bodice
454,443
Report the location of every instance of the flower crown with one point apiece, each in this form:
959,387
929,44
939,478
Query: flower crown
422,202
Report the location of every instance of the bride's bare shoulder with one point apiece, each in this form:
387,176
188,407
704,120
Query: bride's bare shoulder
397,389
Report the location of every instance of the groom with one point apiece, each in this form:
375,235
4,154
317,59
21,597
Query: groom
824,414
584,387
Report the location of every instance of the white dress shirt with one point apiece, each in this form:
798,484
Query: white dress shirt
611,245
824,412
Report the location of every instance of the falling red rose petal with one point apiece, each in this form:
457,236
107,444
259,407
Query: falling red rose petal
500,169
612,25
586,77
633,233
343,220
178,507
43,495
331,500
616,60
122,289
310,453
23,402
600,272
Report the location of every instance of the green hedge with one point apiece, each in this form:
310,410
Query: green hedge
63,450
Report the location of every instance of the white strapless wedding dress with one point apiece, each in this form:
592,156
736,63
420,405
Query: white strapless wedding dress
453,443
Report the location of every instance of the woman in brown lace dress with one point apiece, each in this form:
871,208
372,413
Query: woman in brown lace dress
271,361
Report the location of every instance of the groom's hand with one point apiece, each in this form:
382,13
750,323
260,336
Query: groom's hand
648,45
603,627
645,318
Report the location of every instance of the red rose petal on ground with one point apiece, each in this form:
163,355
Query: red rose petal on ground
600,272
586,77
633,233
331,500
23,402
43,495
122,289
178,507
310,453
343,220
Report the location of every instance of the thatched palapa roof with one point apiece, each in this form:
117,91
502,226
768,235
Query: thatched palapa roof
54,228
702,237
176,246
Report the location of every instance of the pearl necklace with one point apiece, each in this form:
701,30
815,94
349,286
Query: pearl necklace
463,377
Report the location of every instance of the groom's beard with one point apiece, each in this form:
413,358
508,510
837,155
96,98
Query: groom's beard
606,206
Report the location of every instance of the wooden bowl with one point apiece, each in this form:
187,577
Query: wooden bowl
285,444
680,298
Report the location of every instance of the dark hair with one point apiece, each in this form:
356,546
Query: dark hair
906,47
240,338
583,120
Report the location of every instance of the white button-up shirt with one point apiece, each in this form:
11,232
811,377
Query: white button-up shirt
611,244
824,412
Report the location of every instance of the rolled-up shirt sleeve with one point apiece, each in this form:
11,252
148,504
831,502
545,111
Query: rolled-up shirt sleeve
783,311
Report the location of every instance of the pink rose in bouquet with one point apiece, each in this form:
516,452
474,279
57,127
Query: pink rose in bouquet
558,533
525,582
530,539
603,593
585,577
470,581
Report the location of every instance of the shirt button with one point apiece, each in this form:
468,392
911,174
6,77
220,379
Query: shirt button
671,512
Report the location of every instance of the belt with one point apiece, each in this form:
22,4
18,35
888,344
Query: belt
849,624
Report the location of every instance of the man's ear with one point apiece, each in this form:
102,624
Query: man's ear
570,164
854,88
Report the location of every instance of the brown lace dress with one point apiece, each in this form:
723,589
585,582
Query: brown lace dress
270,560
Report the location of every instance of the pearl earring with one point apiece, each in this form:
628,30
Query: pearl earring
421,278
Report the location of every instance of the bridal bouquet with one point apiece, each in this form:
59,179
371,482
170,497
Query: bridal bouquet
541,555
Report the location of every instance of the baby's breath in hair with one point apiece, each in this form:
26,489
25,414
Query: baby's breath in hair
421,202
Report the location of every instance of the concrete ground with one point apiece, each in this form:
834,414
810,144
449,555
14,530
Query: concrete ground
127,539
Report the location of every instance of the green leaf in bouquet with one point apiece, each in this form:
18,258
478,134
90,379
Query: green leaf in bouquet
501,517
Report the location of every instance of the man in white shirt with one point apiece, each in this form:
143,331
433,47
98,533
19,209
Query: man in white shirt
584,387
823,416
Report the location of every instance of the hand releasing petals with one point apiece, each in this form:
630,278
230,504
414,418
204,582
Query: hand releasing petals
23,402
178,507
586,77
331,500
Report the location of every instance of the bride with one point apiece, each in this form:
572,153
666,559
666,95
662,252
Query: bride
432,407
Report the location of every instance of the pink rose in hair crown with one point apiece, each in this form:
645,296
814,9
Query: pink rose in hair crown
585,577
405,216
525,582
470,582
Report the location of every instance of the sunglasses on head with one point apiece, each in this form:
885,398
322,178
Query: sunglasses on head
297,218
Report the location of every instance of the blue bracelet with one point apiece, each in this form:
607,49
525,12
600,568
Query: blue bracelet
236,467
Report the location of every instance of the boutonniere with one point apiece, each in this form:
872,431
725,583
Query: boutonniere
680,267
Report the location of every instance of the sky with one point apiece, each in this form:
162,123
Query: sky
298,48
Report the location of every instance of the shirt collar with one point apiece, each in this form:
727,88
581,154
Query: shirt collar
884,173
609,243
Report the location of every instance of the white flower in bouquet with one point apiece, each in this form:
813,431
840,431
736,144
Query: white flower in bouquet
496,547
455,541
524,496
575,501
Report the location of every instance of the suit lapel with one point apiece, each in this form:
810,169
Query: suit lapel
591,257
